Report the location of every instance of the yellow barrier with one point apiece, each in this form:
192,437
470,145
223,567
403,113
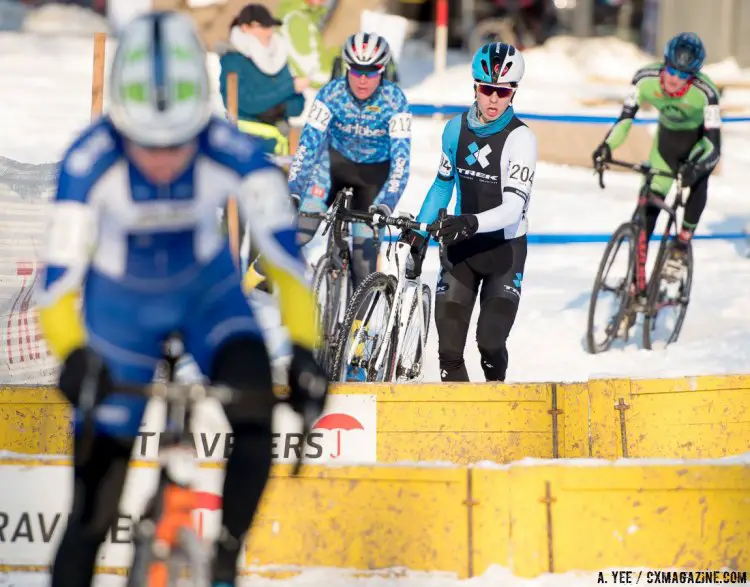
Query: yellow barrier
34,421
695,417
692,417
364,518
448,422
532,517
589,518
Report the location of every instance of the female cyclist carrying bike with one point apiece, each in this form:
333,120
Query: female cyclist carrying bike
489,155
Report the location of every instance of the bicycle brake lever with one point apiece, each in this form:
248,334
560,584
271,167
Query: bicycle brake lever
599,170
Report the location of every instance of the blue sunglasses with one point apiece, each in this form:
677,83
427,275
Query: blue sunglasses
681,74
369,74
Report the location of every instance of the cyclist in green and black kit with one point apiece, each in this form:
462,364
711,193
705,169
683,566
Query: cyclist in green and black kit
688,137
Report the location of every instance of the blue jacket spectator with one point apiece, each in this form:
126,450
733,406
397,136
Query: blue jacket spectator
268,95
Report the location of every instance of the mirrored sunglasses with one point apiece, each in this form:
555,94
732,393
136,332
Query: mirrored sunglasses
488,90
368,73
681,74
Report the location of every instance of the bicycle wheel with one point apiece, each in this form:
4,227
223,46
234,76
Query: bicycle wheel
191,559
142,556
362,333
409,365
624,238
667,291
327,287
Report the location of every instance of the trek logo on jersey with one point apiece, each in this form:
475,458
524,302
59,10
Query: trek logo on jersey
478,155
484,177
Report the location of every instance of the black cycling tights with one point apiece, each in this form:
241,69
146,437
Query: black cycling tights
500,294
366,181
674,148
694,206
100,480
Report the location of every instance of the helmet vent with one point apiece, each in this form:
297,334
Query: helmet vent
160,81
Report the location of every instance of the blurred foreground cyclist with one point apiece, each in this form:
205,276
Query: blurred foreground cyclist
134,229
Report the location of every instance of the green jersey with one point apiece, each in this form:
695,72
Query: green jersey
695,108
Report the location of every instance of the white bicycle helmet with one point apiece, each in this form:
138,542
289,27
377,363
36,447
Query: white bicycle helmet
159,85
366,50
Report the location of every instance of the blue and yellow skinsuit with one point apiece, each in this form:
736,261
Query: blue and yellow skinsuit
150,260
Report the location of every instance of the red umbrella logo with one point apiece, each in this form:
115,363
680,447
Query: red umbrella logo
205,501
338,422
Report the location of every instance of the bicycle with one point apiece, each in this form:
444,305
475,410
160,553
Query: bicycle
634,294
384,356
168,547
332,276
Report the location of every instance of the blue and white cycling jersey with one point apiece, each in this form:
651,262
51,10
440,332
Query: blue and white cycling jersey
148,260
364,131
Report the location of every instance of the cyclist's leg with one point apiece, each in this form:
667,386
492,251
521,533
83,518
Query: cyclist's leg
671,148
225,340
694,207
498,303
696,201
455,295
659,187
364,253
131,351
367,181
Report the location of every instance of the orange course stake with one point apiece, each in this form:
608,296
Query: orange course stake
97,80
233,216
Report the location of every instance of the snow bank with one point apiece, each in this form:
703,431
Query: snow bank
65,20
572,59
743,459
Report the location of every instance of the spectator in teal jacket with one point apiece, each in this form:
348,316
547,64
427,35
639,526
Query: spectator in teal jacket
268,95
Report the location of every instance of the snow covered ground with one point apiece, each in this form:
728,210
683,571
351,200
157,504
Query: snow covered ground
50,102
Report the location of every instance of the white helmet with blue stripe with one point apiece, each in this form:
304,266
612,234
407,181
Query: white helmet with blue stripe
159,86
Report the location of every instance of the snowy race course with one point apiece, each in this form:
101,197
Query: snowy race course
50,103
547,340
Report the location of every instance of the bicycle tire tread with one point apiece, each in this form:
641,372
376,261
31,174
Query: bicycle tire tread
357,299
627,229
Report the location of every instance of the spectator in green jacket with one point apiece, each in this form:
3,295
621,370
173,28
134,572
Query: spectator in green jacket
268,95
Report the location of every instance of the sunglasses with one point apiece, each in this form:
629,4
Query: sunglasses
681,74
369,74
488,90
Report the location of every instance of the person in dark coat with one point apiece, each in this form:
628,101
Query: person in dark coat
268,95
